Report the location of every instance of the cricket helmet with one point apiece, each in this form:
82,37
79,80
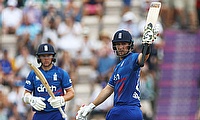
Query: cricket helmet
122,36
45,49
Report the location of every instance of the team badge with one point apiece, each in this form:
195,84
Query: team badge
120,35
55,76
45,48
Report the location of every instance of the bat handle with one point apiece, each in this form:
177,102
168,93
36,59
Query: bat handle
143,54
62,112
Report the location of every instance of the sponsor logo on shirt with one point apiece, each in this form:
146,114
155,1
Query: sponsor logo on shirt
43,89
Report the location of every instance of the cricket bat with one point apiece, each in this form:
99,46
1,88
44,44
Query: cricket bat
46,85
151,20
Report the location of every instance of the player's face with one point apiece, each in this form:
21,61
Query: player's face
46,60
122,48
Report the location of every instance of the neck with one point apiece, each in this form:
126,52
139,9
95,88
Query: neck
46,68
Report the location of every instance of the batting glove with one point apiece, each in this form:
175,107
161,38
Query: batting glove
57,102
36,102
79,113
84,111
150,35
156,31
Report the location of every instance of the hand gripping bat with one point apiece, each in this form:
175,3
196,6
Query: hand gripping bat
151,20
46,85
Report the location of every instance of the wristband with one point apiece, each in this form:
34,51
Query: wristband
91,105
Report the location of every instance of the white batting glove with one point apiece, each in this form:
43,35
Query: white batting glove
36,102
84,111
79,114
150,34
156,31
57,102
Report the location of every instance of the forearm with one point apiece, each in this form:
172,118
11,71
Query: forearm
140,58
69,94
103,95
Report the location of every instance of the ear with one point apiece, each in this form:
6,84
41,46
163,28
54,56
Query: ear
54,59
38,59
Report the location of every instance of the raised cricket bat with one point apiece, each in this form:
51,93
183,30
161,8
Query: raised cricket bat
151,20
46,85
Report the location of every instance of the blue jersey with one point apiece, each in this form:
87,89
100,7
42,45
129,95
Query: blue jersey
125,81
58,80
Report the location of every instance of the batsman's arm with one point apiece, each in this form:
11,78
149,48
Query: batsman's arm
103,95
69,94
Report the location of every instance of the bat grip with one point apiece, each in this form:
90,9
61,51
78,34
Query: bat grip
143,54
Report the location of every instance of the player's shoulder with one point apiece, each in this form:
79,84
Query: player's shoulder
133,55
32,72
59,69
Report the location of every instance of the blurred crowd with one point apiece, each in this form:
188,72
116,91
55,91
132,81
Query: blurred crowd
59,22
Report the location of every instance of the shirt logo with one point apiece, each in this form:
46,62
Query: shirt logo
55,77
41,88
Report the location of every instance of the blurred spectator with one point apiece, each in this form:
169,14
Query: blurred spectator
198,11
21,63
181,14
19,110
93,7
49,33
1,8
7,67
27,27
147,91
167,13
104,40
105,65
7,64
33,12
127,4
72,9
27,33
87,53
51,12
66,62
24,40
70,32
130,22
4,103
186,11
11,17
100,111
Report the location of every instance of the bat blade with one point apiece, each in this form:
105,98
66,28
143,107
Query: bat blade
46,85
153,13
151,20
